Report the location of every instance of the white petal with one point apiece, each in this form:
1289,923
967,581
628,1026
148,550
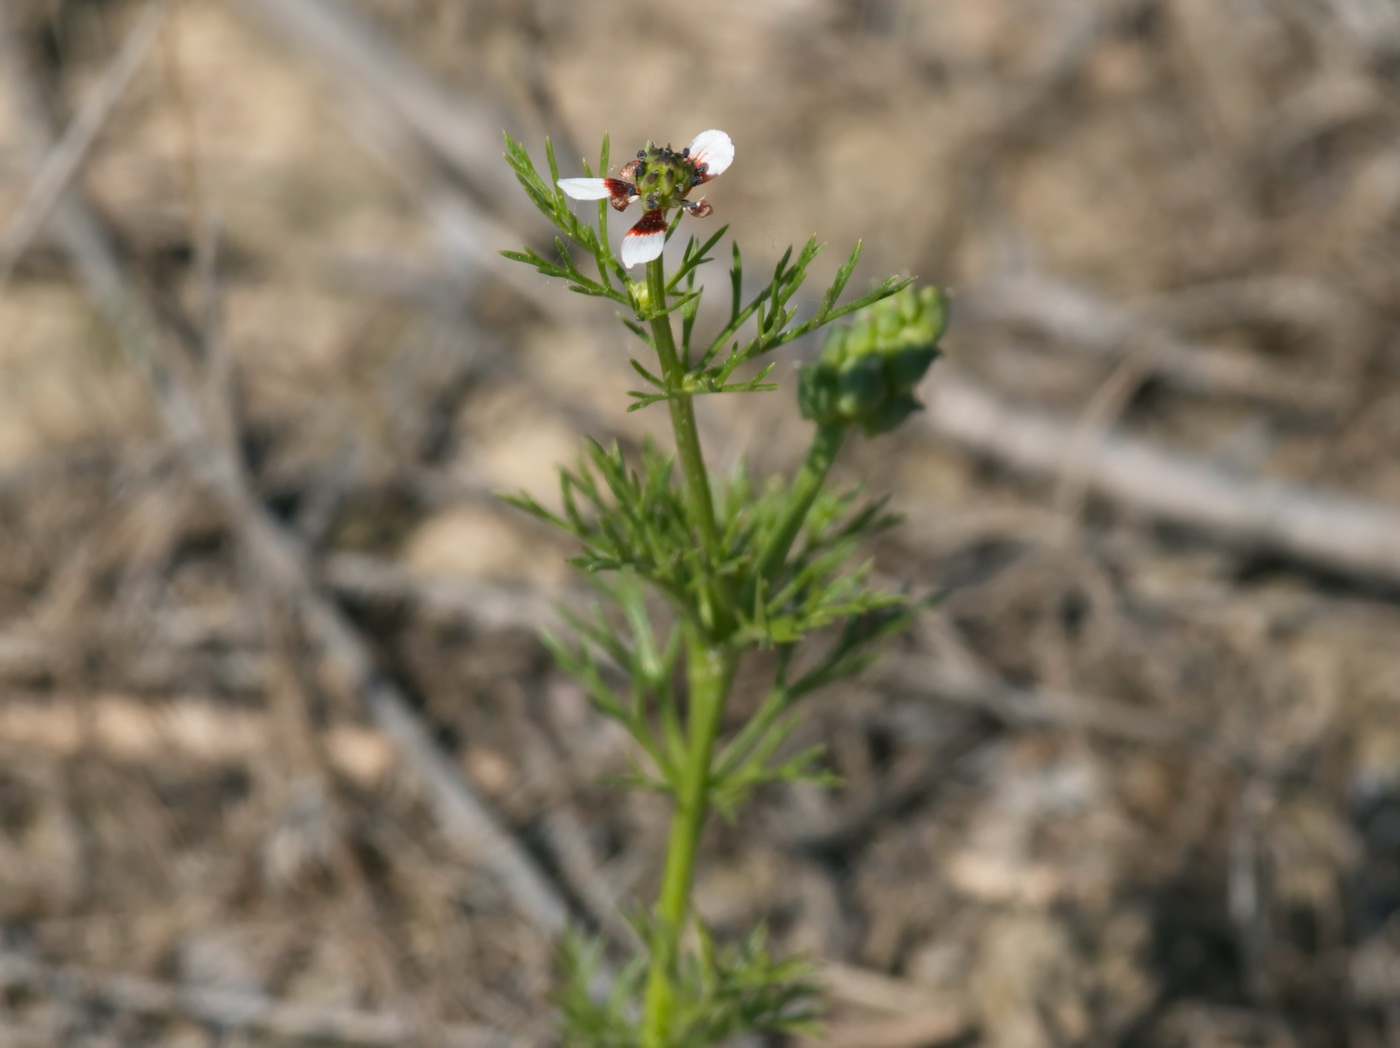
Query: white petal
713,149
586,188
642,247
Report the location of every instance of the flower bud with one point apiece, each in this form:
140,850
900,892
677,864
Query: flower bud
907,366
860,340
888,325
867,372
861,386
817,392
893,410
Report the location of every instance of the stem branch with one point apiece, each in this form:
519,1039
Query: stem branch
805,488
697,479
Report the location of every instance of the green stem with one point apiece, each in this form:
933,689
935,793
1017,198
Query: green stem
697,479
710,666
710,669
805,488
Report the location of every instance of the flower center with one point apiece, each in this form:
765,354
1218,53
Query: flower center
663,176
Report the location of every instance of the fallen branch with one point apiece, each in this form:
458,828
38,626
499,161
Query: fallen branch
909,1016
1082,323
65,159
1322,529
485,605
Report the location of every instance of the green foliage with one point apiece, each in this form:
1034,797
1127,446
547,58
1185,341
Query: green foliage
742,988
770,311
634,529
596,1015
721,991
554,205
636,520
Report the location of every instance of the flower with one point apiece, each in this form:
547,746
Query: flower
662,179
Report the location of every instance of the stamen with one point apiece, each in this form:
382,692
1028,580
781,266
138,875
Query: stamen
620,193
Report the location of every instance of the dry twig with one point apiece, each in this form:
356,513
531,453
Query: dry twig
912,1017
1081,322
484,604
65,159
460,132
1319,528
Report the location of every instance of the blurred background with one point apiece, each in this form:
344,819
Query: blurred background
281,760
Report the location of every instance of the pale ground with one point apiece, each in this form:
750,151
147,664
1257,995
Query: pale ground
1135,783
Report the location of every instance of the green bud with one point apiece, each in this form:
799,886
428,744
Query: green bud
867,372
834,350
860,339
909,306
817,390
906,367
862,387
933,304
889,325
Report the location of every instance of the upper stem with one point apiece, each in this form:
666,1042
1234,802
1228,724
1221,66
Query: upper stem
696,477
